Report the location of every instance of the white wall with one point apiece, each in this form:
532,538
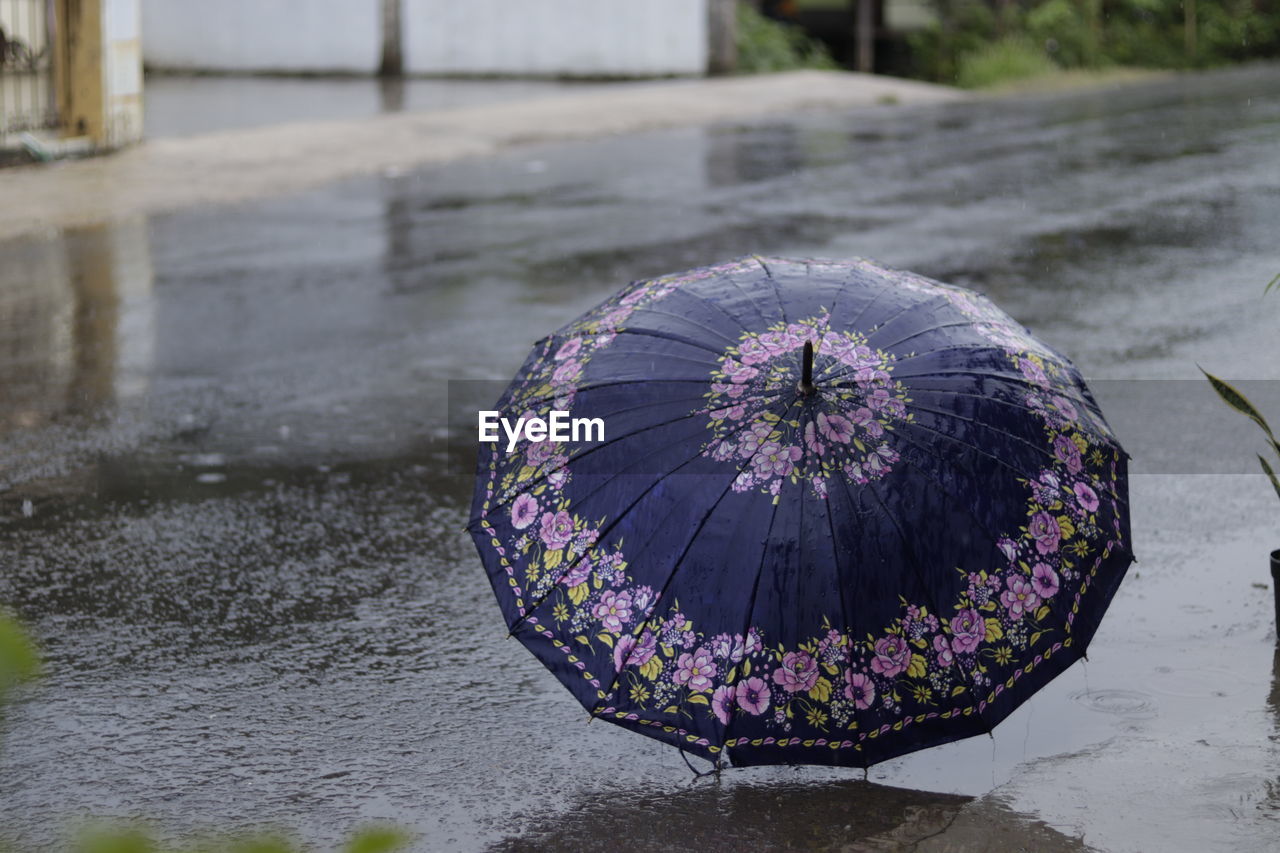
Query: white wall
122,72
262,35
560,37
515,37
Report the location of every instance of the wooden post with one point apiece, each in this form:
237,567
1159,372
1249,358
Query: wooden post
722,36
98,70
392,39
1189,27
78,54
865,35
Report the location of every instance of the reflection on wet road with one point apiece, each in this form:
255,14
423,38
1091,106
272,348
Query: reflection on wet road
223,505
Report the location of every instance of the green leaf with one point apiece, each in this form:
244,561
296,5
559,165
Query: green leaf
377,839
259,844
1275,483
1236,400
1274,284
114,839
18,659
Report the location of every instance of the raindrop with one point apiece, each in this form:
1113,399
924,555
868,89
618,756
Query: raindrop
28,509
211,477
207,460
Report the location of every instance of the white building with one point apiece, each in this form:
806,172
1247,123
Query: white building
571,38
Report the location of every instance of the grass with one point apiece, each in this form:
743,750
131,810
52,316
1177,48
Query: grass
766,46
1063,80
1002,62
1018,65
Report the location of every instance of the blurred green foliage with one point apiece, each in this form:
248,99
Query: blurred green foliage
18,659
1238,401
1011,58
766,46
19,662
974,38
133,839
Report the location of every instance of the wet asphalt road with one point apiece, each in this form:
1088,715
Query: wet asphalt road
227,508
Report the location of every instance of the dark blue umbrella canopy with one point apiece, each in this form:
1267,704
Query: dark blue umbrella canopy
762,573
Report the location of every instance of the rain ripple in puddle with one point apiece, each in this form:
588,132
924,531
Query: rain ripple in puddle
1126,704
1197,683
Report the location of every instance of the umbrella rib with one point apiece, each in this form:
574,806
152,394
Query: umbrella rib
858,717
732,319
746,295
1109,437
1101,425
505,402
842,289
751,611
915,566
996,459
912,306
614,523
1015,378
1091,407
955,440
1064,393
844,483
971,347
983,425
676,568
665,356
952,392
835,304
920,332
954,498
853,324
973,447
777,292
652,333
846,624
1009,375
545,474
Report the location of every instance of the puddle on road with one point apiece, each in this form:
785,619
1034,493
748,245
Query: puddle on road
223,509
820,816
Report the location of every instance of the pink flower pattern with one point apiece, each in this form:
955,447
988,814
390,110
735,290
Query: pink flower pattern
849,438
797,673
696,670
557,529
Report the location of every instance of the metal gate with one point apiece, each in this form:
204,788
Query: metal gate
27,94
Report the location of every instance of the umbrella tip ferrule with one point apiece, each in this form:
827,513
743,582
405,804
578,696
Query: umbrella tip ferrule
806,371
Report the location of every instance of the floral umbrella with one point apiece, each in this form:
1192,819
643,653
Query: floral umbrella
840,512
